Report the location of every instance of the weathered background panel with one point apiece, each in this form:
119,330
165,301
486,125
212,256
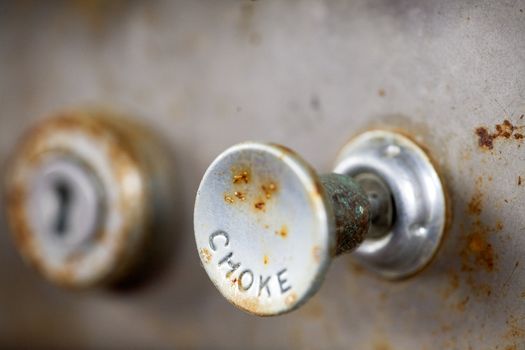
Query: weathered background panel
309,74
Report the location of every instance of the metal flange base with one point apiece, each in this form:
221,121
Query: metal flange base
418,196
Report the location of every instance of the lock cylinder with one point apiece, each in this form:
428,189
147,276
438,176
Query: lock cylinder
86,199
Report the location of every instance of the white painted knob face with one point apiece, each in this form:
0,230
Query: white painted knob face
262,228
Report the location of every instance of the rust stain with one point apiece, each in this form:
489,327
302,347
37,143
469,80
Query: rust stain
206,255
477,252
453,284
519,181
290,299
382,345
475,205
260,205
283,232
381,93
319,190
485,138
515,329
269,189
463,303
16,199
285,151
505,130
316,253
240,195
249,187
250,304
241,176
228,199
480,250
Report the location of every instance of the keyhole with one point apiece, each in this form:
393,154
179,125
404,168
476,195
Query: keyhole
65,195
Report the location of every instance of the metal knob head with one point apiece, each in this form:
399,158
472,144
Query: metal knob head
263,228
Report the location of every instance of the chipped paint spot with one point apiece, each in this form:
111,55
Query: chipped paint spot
475,205
259,205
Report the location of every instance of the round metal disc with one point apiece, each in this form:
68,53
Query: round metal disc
418,196
77,200
263,228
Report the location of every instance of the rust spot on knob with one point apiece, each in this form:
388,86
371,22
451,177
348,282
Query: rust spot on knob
283,232
259,205
269,189
206,255
241,176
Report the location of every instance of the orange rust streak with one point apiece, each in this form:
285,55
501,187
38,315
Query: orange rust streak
283,232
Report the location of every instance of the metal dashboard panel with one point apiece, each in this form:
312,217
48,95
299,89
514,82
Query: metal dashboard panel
309,74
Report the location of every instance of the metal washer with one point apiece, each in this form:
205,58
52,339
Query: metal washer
418,195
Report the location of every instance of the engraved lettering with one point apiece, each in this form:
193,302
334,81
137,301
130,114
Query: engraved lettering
264,284
282,281
233,266
216,234
242,286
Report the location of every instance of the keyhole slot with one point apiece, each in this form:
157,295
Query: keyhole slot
64,194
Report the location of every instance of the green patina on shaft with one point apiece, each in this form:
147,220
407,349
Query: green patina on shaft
351,208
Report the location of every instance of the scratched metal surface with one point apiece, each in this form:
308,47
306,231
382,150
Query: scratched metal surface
309,74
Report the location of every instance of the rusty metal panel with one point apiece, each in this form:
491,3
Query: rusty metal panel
309,74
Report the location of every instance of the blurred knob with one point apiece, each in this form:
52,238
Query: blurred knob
86,193
267,226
